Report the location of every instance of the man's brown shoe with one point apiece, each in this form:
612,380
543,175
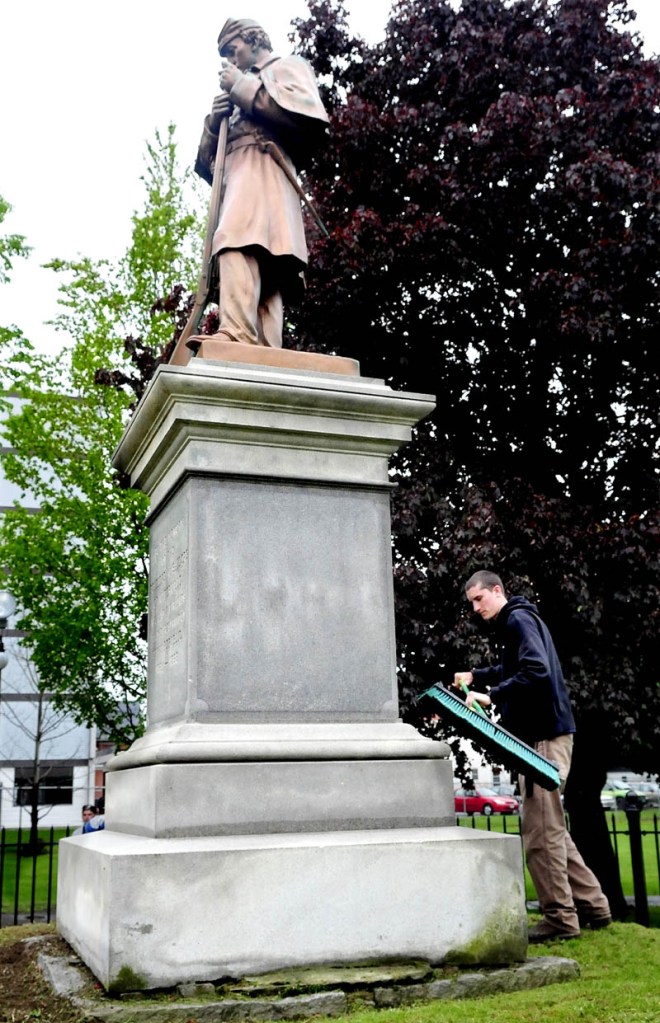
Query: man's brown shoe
544,931
595,922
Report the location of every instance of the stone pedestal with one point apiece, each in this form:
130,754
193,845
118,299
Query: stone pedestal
276,794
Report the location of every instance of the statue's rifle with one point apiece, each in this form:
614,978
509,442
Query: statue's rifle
181,354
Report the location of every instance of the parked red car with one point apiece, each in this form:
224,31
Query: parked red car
483,800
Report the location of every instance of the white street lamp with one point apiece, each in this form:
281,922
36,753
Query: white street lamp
7,607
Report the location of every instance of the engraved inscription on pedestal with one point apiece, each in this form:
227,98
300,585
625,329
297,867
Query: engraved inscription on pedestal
168,613
271,602
294,614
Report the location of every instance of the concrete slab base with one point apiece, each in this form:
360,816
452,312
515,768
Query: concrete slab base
167,911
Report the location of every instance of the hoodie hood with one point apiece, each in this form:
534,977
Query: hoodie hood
513,604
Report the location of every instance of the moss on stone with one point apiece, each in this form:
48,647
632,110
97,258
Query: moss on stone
501,940
126,980
345,977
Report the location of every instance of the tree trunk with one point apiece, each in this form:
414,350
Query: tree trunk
34,846
588,823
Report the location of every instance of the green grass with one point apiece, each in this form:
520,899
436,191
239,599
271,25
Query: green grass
511,822
619,969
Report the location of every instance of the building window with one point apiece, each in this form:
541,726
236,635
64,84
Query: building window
55,787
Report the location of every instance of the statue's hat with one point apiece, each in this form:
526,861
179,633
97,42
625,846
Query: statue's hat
234,27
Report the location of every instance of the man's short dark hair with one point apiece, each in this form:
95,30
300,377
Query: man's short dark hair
485,580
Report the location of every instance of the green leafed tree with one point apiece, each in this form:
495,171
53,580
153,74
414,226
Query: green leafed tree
12,247
75,546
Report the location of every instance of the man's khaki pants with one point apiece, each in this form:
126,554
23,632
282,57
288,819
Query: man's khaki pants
563,882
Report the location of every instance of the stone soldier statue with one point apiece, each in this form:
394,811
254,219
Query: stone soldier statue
275,117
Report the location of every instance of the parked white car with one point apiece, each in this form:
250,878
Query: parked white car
613,794
650,791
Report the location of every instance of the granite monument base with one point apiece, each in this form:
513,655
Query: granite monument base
195,779
198,909
276,812
173,800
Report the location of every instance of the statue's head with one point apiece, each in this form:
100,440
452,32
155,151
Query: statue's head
246,29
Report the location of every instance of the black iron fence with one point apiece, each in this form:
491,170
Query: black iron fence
28,882
635,837
28,876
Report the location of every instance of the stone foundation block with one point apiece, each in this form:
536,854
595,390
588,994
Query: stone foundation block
199,909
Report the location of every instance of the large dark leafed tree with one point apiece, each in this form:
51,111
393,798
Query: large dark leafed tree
492,195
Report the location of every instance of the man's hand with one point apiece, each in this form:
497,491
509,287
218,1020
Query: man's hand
229,76
482,698
463,678
221,107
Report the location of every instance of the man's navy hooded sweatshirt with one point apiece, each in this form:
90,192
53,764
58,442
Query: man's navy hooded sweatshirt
527,686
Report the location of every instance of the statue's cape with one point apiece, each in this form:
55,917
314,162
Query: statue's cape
290,82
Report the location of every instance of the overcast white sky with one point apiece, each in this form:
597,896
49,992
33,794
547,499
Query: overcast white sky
84,85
